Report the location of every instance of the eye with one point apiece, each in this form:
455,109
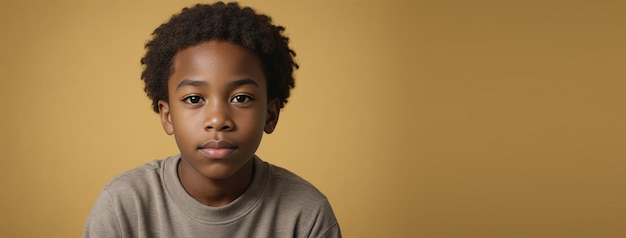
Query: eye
241,99
193,100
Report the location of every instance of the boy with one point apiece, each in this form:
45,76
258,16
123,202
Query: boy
218,76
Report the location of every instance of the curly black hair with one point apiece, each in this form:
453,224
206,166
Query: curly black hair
225,22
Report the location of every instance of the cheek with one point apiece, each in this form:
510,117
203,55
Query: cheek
253,123
186,126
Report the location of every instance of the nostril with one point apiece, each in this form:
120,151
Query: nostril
223,128
219,124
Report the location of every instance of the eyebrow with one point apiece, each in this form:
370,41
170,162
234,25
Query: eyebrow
189,82
236,83
243,82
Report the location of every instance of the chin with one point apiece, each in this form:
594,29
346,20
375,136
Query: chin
221,171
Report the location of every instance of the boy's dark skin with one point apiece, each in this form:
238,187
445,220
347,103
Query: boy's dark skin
217,110
217,75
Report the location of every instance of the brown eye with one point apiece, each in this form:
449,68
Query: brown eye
193,100
241,99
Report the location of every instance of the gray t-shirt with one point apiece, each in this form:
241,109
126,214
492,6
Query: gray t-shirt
149,201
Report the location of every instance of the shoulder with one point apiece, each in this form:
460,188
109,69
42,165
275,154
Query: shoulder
295,194
139,183
300,200
115,210
287,183
139,177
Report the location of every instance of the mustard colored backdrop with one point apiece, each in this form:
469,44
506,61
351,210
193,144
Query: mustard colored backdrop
416,118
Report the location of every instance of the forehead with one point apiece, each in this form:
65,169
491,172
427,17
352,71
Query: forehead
216,60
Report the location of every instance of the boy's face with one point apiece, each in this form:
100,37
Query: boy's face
218,107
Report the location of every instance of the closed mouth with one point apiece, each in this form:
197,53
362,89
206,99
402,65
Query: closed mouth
218,144
218,149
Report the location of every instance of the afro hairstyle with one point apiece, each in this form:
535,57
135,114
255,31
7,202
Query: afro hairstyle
224,22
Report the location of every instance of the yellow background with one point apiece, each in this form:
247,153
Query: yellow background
416,118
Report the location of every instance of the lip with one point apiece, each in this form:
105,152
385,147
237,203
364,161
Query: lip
218,149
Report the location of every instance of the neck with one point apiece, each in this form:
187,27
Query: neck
215,192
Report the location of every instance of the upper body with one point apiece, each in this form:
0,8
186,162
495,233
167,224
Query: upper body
150,201
218,76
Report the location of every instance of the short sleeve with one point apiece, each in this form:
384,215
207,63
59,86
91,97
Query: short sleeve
326,225
102,221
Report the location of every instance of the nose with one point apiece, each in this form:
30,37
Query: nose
218,118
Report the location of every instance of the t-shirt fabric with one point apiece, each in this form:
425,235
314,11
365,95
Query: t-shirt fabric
149,201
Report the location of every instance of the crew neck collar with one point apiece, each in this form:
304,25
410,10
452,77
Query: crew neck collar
216,215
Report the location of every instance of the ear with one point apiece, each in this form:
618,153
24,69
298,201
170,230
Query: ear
273,110
166,118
